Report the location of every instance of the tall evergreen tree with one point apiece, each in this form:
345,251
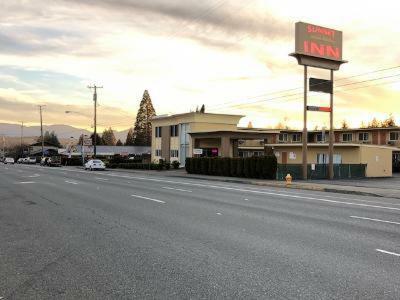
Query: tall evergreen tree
109,137
142,130
99,140
130,139
50,138
119,143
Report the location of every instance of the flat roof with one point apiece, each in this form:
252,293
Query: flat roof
336,145
236,131
395,128
167,116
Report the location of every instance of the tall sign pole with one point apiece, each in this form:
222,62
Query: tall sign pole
305,126
318,47
94,87
331,133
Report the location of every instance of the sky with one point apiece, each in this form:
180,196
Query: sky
230,55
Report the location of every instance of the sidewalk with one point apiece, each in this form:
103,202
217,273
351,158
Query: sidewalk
352,187
376,187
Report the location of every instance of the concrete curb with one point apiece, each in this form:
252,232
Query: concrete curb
297,186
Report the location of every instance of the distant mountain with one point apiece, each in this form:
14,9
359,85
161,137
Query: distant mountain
62,131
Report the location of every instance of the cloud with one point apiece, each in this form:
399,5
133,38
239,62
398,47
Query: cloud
196,19
12,109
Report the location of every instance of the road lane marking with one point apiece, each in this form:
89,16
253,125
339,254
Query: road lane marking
98,178
246,199
219,214
375,220
25,182
146,198
175,189
33,176
246,190
388,252
71,182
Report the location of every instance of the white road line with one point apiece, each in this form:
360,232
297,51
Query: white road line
375,220
247,190
174,189
246,199
71,182
219,214
388,252
98,178
146,198
33,176
24,182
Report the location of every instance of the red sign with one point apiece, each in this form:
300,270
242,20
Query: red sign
318,108
317,41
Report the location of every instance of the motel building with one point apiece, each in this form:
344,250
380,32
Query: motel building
196,134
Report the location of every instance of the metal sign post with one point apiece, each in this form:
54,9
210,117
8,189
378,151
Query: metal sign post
305,126
318,47
331,134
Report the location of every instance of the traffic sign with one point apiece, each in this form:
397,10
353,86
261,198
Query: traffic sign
87,142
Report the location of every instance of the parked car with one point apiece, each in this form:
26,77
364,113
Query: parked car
43,161
95,164
9,160
20,160
54,161
31,160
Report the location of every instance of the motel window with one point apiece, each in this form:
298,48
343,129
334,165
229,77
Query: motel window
363,136
174,130
158,152
394,136
323,158
174,153
321,137
347,137
283,137
158,131
296,137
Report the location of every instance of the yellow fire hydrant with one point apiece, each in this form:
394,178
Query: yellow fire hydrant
288,180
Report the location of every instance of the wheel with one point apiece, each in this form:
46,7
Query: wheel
91,169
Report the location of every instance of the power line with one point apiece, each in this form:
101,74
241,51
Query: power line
340,91
300,93
293,89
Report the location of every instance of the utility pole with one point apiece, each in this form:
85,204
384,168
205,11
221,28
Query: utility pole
22,136
41,127
94,87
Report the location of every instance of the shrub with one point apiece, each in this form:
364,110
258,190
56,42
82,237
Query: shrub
161,164
188,163
167,166
176,164
233,167
239,169
226,166
252,167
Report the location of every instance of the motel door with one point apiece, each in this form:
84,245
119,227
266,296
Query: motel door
284,158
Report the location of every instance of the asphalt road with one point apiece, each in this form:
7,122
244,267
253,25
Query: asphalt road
75,234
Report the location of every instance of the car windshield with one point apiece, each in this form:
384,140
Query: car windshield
97,161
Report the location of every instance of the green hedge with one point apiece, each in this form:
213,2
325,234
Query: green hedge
133,166
263,167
